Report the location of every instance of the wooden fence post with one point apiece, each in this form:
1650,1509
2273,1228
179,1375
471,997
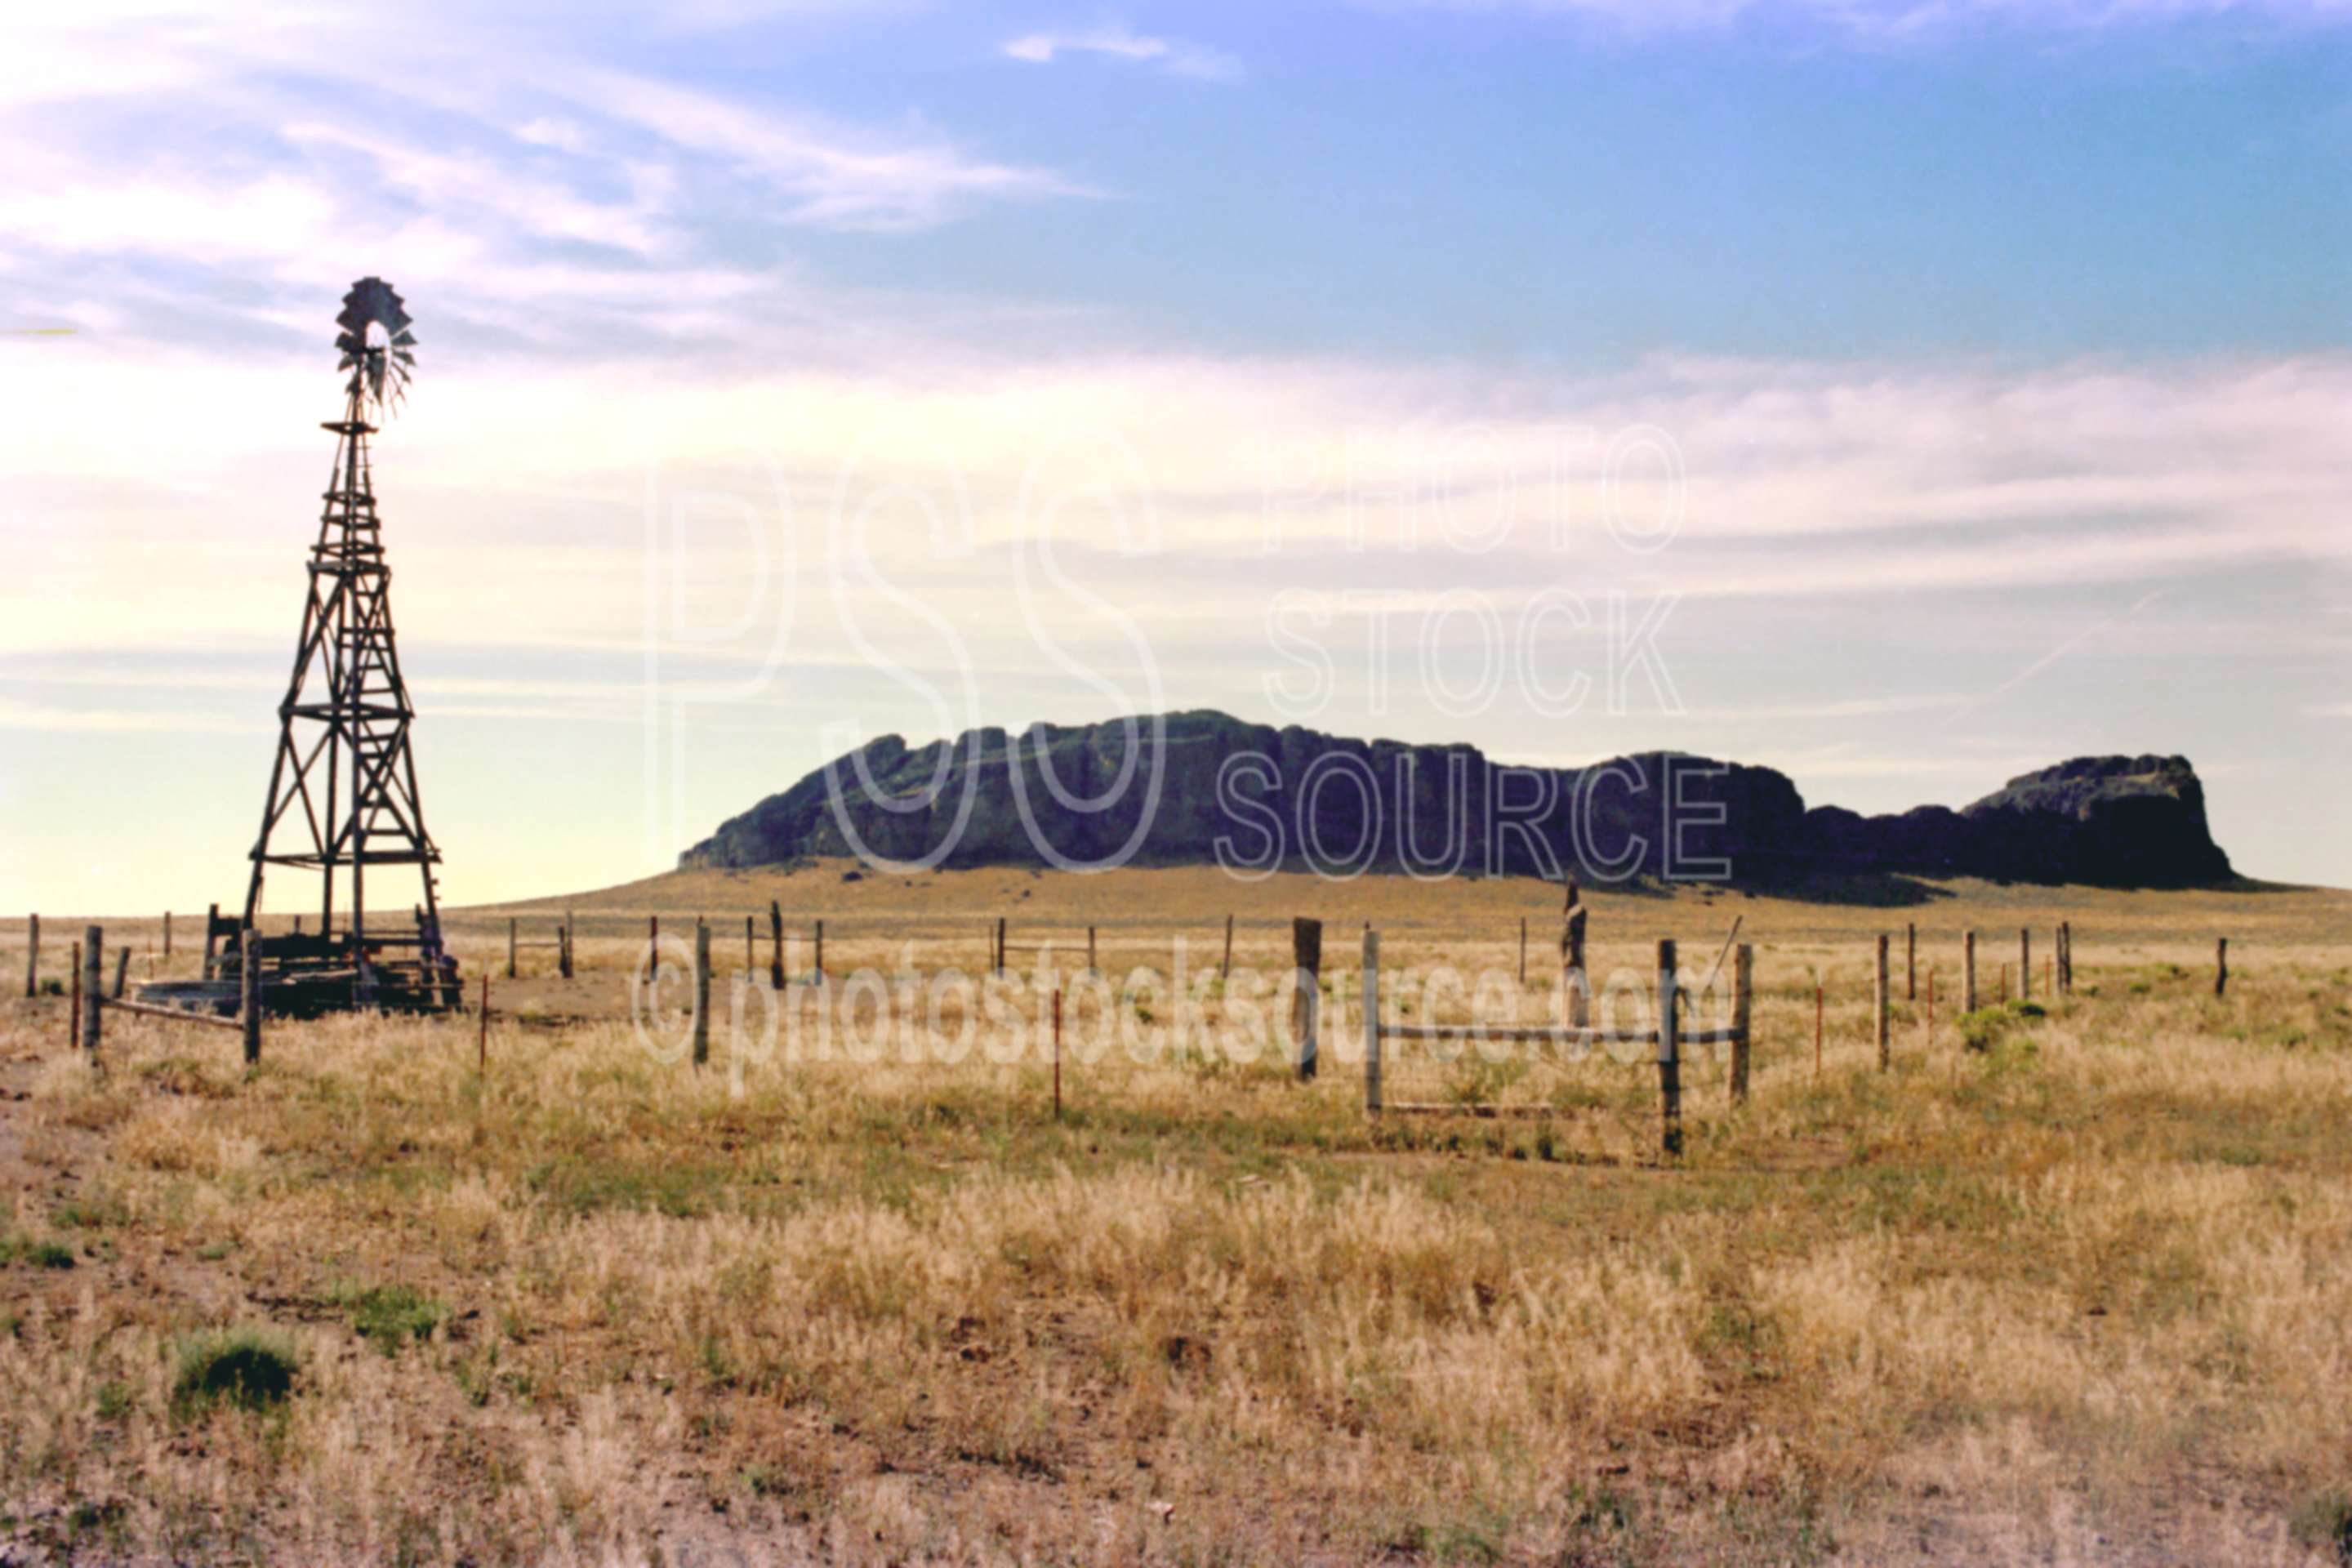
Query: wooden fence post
167,933
1000,944
73,991
1058,1053
563,949
121,969
1670,1066
33,955
2024,960
1225,969
751,956
1307,999
2220,964
820,952
1969,973
1371,1000
513,926
249,994
1523,950
1743,992
1574,979
701,991
1090,950
482,1036
1886,1040
212,925
1911,961
776,946
93,982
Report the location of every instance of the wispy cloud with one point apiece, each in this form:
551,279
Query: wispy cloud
1170,54
833,177
166,155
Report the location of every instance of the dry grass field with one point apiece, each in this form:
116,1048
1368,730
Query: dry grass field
2085,1295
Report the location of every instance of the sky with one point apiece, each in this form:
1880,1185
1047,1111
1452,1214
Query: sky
1902,394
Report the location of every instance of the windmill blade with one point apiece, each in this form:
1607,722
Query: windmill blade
373,303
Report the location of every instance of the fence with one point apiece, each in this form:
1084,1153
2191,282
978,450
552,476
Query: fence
1669,1037
91,993
92,997
561,941
1000,945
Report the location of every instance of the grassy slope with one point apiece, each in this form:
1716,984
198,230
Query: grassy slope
2080,1297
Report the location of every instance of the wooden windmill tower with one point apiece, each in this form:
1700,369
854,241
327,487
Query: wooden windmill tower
343,802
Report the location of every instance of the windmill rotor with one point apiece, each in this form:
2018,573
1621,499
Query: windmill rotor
377,347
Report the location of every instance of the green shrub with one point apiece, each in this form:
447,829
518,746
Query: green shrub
1986,1028
391,1315
39,1254
243,1367
1982,1029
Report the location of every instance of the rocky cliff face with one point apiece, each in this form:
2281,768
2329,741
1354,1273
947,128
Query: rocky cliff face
1204,787
2136,821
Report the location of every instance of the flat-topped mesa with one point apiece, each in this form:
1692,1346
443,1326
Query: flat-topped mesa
2137,821
1203,787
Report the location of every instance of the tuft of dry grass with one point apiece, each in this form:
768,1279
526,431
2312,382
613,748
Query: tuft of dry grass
2077,1296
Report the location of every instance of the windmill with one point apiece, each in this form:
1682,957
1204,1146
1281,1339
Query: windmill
342,801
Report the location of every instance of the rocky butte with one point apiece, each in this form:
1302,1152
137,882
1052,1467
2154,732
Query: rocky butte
1206,788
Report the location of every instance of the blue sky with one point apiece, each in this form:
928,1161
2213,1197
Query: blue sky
1537,188
1991,357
